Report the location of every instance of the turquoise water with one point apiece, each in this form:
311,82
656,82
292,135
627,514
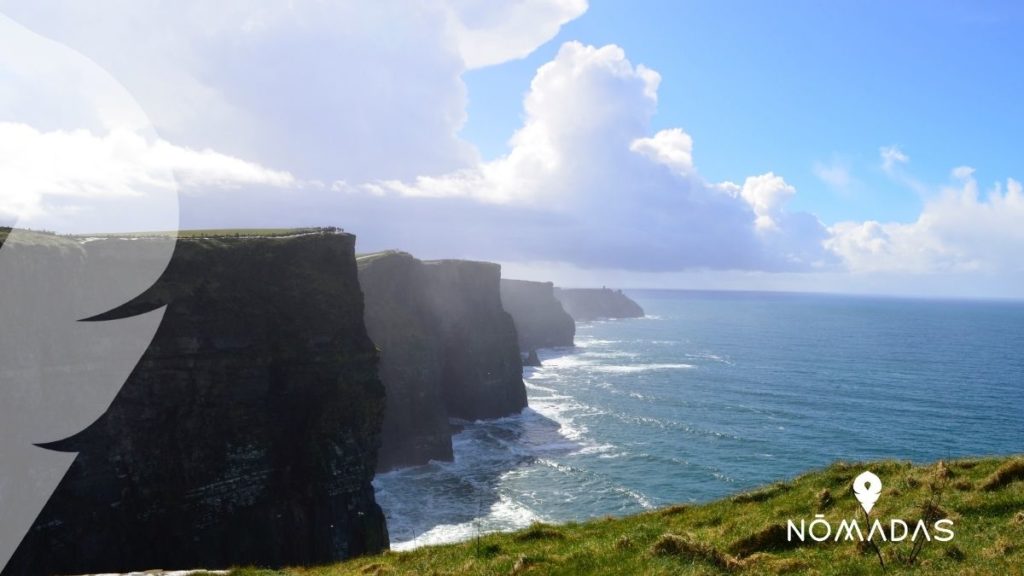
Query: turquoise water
716,392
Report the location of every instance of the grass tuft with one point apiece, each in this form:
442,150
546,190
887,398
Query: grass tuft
1005,474
824,499
673,510
686,548
761,494
539,531
770,538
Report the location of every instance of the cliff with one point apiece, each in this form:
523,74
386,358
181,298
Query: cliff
246,434
448,349
482,373
540,319
405,329
585,304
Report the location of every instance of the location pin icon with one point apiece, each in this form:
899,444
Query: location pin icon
866,488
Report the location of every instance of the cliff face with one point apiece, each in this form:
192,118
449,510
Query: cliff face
247,433
585,304
540,319
447,348
405,329
482,372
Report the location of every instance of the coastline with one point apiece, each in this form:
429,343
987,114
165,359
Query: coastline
738,533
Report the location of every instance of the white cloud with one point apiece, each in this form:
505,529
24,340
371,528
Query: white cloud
77,152
491,32
767,194
957,232
586,182
835,174
892,157
585,158
325,90
70,180
672,147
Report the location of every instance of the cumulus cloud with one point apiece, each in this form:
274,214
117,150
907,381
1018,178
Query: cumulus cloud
66,180
585,157
368,97
490,32
326,90
958,231
672,147
78,154
767,194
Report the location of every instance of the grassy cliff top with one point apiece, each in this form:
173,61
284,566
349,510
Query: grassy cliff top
746,534
44,237
221,233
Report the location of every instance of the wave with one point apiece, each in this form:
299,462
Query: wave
505,514
634,368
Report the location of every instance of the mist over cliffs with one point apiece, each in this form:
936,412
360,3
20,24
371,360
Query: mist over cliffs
585,304
248,432
448,350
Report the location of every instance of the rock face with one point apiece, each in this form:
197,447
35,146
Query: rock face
585,304
482,372
248,432
448,349
540,319
405,329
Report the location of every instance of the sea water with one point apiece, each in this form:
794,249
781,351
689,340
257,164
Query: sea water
717,392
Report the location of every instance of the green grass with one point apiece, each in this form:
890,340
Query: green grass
218,233
41,237
984,497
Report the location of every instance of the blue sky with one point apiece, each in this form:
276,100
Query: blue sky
786,86
828,146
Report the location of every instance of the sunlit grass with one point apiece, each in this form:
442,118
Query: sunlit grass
742,534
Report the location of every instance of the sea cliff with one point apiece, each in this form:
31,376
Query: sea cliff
585,304
247,433
405,329
540,319
448,349
482,372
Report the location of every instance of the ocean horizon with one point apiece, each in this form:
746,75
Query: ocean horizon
716,392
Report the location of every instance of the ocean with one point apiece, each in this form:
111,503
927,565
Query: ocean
717,392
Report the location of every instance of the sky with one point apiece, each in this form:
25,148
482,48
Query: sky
862,147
